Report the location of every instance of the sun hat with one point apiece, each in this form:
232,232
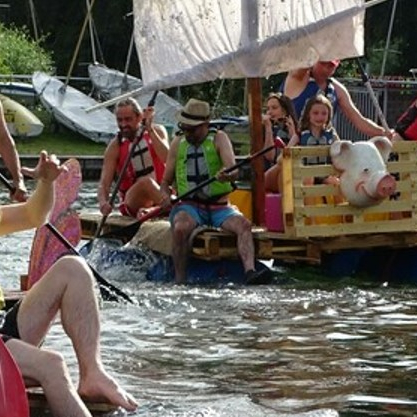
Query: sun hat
194,113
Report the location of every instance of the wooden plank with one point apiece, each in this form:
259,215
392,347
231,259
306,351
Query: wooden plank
38,402
90,221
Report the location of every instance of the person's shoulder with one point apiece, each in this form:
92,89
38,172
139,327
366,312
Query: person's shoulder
220,135
338,85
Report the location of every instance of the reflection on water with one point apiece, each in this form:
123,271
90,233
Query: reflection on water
266,351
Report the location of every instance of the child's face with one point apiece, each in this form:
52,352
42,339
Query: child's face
319,115
274,110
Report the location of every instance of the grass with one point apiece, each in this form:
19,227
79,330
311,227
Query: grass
58,140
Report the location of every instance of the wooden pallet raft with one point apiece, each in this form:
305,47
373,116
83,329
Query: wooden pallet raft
214,244
90,221
327,216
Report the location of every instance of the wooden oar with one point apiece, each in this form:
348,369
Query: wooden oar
13,398
108,291
127,232
124,168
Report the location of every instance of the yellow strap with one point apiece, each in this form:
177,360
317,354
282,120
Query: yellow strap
2,301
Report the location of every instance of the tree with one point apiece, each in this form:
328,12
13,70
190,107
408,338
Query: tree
20,54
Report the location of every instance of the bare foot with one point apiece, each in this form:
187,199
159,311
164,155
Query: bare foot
102,387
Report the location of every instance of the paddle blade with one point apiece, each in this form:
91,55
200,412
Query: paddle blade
13,399
46,249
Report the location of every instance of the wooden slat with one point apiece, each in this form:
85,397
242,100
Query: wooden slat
37,401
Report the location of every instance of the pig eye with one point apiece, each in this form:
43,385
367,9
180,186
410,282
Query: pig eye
366,170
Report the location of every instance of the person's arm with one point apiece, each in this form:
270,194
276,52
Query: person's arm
10,156
158,134
294,141
108,172
225,149
363,124
268,137
34,212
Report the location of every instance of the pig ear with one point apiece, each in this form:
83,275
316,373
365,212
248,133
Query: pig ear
340,154
383,145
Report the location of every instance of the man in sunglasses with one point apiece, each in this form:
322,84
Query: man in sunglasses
196,155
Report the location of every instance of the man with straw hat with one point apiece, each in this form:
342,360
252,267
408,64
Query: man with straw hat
197,154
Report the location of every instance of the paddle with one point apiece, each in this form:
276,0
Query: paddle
367,83
13,398
127,232
108,291
46,249
124,168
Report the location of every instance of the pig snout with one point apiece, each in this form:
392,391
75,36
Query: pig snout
386,186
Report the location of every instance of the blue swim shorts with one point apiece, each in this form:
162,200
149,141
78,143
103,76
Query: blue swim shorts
211,215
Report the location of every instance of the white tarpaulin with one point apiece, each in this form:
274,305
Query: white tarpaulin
183,42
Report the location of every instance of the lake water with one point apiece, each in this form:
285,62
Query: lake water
300,350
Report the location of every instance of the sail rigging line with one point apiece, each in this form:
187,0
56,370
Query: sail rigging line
77,47
127,65
34,23
91,30
388,40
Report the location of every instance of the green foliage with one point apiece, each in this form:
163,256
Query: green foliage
20,54
394,58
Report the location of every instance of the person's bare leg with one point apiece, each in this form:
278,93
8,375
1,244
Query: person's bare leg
49,370
68,286
241,226
144,193
182,227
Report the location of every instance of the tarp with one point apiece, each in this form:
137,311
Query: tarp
188,42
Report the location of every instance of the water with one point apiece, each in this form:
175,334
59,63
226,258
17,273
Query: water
306,350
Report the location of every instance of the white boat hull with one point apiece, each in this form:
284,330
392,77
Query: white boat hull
68,105
21,122
111,83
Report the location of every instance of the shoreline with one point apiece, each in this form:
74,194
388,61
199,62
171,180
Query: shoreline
90,164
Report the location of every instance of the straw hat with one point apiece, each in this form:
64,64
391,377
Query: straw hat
194,113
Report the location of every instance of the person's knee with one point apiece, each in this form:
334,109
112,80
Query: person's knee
182,227
50,366
238,224
72,269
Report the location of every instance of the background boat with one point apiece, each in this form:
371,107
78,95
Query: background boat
21,91
110,83
68,105
20,120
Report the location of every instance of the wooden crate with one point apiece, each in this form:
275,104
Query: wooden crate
327,218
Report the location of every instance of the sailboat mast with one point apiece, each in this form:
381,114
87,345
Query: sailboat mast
33,17
386,50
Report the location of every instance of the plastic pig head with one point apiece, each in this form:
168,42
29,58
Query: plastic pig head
364,179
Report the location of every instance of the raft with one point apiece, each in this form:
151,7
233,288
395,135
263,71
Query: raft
337,238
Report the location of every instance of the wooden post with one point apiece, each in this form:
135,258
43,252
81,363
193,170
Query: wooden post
257,143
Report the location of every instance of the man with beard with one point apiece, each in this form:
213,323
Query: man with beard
139,187
198,153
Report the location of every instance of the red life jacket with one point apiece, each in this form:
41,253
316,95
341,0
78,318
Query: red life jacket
144,161
407,123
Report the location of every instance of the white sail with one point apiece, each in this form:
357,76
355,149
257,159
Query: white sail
187,42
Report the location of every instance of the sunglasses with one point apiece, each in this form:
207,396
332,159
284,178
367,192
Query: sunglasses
187,128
